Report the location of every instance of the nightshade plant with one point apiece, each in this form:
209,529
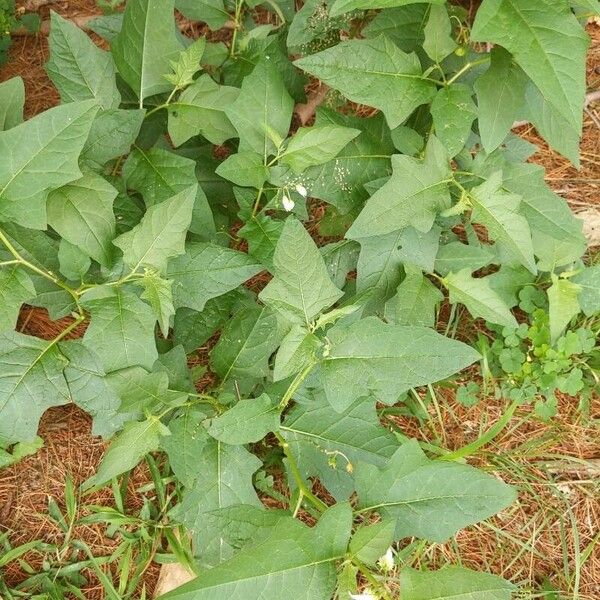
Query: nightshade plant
117,212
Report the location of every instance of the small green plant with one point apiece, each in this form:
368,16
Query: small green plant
8,21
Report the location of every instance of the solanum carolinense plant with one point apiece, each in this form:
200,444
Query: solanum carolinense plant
116,211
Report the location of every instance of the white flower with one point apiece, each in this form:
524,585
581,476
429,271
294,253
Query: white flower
288,203
367,595
301,190
386,562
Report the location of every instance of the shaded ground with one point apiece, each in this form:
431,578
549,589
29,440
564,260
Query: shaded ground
551,532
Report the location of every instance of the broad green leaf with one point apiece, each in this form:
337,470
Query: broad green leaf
82,213
414,491
223,478
370,542
262,111
89,388
310,24
415,302
563,300
343,6
301,287
404,25
588,281
456,256
370,358
413,196
185,444
244,168
262,232
200,110
17,453
121,330
187,64
12,100
146,45
74,263
111,135
31,381
158,293
340,259
498,211
508,281
211,12
206,271
78,68
127,450
556,232
500,97
438,43
16,287
298,349
328,444
373,72
365,158
479,298
305,568
246,343
38,156
419,249
160,235
454,583
547,42
250,420
453,112
107,26
316,145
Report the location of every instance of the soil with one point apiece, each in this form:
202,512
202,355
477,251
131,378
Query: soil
553,464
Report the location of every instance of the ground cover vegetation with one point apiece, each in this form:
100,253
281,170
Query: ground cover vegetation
161,208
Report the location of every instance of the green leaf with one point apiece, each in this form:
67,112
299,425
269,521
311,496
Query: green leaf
305,568
185,444
41,155
419,249
82,213
563,300
405,26
370,542
479,298
187,64
413,196
508,281
12,100
438,43
371,358
245,169
159,294
74,263
160,235
31,381
223,478
145,46
415,302
262,232
262,111
200,110
111,135
588,281
340,259
453,112
246,343
298,349
414,491
250,420
206,271
301,287
211,12
89,388
456,256
454,583
121,330
547,42
500,97
127,450
343,6
373,72
316,145
498,211
16,287
78,68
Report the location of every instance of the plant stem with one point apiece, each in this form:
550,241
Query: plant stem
376,585
236,21
304,489
466,68
296,383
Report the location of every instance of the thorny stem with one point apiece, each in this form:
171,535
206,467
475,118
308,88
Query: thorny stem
293,465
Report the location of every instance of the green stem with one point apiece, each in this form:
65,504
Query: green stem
376,585
304,489
483,440
296,383
238,12
466,68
